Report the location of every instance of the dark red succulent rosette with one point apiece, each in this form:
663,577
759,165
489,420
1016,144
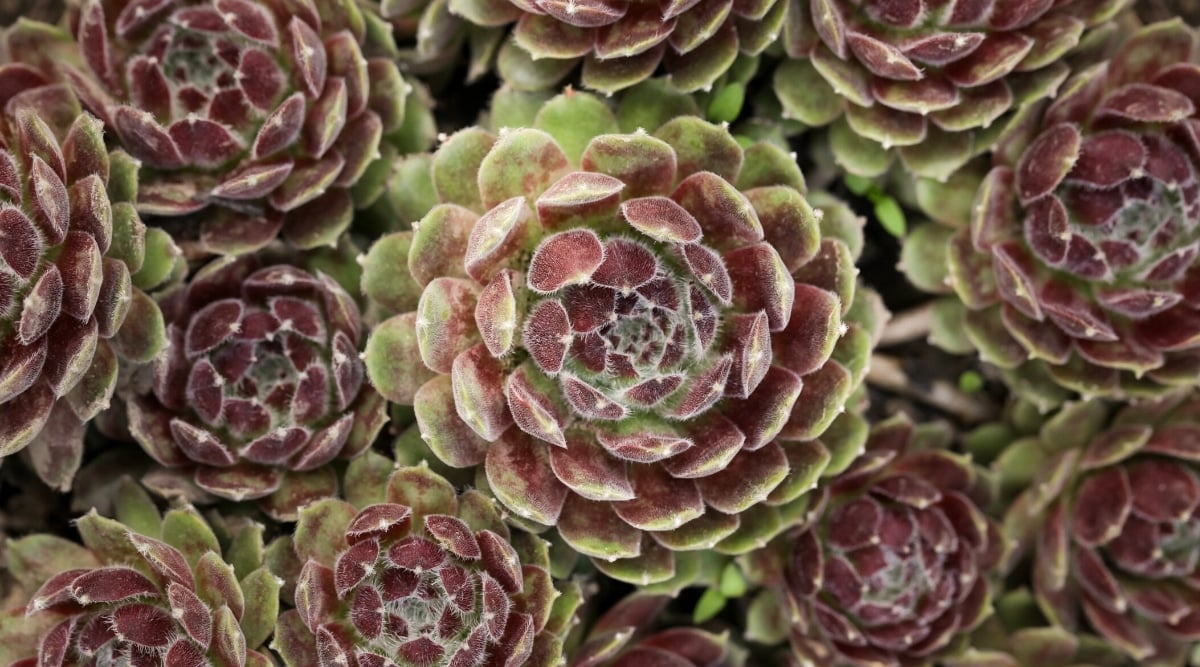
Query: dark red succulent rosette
1081,257
268,111
895,569
1119,546
261,385
629,635
428,578
937,80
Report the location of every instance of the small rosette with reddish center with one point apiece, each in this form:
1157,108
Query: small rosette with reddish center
938,81
1113,530
168,593
424,577
1080,263
262,114
895,569
262,385
620,43
74,258
640,337
624,637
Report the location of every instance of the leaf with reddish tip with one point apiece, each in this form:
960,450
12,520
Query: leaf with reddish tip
566,258
452,440
594,529
579,199
588,470
281,129
519,473
111,584
146,140
496,311
496,238
661,502
535,405
192,614
445,323
308,54
661,219
761,282
1047,161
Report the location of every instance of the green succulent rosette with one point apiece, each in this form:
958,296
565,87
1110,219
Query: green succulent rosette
412,573
75,264
933,82
645,341
145,588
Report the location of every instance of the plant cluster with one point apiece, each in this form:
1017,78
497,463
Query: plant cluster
502,333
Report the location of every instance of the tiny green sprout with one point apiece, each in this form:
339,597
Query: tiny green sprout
970,382
710,604
859,185
890,215
726,105
732,583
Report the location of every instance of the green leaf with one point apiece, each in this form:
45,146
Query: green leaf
970,382
891,216
726,105
732,583
859,185
710,604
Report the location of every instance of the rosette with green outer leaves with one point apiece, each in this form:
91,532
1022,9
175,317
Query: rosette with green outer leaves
417,575
74,259
936,81
145,589
620,43
895,570
262,385
644,339
1112,526
260,114
1079,267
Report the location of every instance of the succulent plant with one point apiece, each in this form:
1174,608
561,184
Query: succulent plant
144,589
1112,526
619,43
625,637
936,82
639,336
248,117
74,259
1078,266
262,385
895,568
419,575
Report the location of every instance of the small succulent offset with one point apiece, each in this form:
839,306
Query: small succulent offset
622,637
260,114
261,386
641,337
146,590
620,43
937,81
1113,529
895,569
424,577
1079,267
74,258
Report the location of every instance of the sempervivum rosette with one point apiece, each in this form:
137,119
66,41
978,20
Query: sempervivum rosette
1113,530
640,336
619,43
1080,262
895,569
624,637
145,590
421,576
937,80
262,385
263,114
74,257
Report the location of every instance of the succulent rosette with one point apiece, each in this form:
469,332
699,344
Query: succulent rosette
537,43
638,338
144,589
262,385
1078,267
74,259
895,568
420,575
935,82
260,114
626,636
1112,526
